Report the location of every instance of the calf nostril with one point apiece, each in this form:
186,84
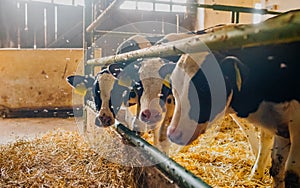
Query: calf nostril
105,120
97,122
146,114
108,121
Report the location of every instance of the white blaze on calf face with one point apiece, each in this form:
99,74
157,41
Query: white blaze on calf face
106,83
151,112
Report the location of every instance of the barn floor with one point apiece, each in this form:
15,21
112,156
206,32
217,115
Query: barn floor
27,128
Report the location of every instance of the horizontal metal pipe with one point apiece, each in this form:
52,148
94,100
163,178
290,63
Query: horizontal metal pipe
120,33
117,3
172,169
218,7
277,30
238,9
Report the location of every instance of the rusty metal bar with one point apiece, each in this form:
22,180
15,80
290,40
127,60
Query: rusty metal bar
277,30
219,7
238,9
120,33
172,169
233,9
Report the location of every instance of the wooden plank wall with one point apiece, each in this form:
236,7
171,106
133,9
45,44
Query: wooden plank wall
29,24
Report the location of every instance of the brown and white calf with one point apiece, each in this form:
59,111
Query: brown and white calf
155,103
258,83
119,85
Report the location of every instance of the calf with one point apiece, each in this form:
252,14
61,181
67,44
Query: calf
155,102
109,93
262,87
261,146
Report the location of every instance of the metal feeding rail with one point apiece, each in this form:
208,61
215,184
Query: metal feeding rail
176,172
235,10
173,173
277,30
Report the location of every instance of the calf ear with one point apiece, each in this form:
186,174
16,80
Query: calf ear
235,70
165,72
125,72
116,68
80,83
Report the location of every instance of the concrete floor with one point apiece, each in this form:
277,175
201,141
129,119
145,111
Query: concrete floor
12,129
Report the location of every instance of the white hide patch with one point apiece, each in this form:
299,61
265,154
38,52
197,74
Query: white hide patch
149,68
182,127
106,83
186,95
152,85
270,115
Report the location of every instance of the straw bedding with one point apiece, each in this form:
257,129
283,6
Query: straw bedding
60,159
221,157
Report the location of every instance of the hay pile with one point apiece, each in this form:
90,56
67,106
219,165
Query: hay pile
60,159
221,157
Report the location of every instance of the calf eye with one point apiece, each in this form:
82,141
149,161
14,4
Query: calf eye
132,95
169,101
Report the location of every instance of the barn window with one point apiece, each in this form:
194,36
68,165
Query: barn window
156,5
179,1
145,6
44,1
178,8
162,7
130,5
63,2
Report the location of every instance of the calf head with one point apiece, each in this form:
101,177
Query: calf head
151,90
196,102
155,95
108,93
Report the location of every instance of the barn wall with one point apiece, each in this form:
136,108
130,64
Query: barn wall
32,24
281,5
212,17
37,78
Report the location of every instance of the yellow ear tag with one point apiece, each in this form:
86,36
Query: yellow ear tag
166,81
125,81
238,77
80,89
